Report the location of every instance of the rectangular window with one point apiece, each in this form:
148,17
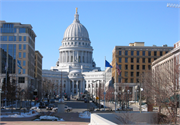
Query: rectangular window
126,53
119,52
21,80
24,63
155,53
149,53
20,47
126,80
149,67
120,60
24,55
19,54
137,67
14,38
19,71
137,53
24,71
126,74
137,80
143,60
126,67
166,51
24,38
137,60
20,38
119,66
132,67
155,58
160,53
132,53
132,60
126,60
143,53
143,67
132,80
137,74
149,60
22,30
24,46
132,74
119,80
4,38
10,38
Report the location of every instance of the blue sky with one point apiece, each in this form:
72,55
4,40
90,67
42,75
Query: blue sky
109,23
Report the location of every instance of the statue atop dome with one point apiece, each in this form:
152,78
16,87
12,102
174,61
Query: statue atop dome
76,10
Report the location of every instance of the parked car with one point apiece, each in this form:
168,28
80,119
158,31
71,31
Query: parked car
42,105
52,100
86,100
46,103
50,107
35,108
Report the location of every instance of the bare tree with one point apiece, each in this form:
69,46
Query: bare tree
160,88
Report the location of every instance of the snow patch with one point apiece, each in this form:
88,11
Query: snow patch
30,114
85,114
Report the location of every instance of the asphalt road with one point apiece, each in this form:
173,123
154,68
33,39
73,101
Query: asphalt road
77,106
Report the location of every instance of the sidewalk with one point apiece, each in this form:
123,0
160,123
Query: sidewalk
41,123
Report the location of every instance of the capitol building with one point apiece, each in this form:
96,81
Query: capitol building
75,68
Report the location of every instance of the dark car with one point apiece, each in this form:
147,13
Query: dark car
42,105
46,103
50,107
52,100
86,101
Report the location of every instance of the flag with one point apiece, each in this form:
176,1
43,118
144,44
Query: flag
6,67
19,64
118,70
107,64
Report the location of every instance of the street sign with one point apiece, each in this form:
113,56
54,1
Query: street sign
104,93
2,92
97,97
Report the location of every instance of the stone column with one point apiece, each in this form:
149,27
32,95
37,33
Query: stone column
77,56
81,56
69,56
66,87
66,57
76,87
72,87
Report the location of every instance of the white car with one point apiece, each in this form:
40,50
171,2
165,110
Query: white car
35,108
68,109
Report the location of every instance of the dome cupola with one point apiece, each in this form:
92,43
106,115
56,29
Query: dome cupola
76,31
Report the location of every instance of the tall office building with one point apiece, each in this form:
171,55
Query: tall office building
133,60
38,72
17,44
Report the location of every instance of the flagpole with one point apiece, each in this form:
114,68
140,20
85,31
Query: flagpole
115,80
105,82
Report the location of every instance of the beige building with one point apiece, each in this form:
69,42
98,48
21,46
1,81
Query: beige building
133,60
17,42
166,68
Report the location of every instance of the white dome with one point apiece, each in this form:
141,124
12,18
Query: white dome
76,30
